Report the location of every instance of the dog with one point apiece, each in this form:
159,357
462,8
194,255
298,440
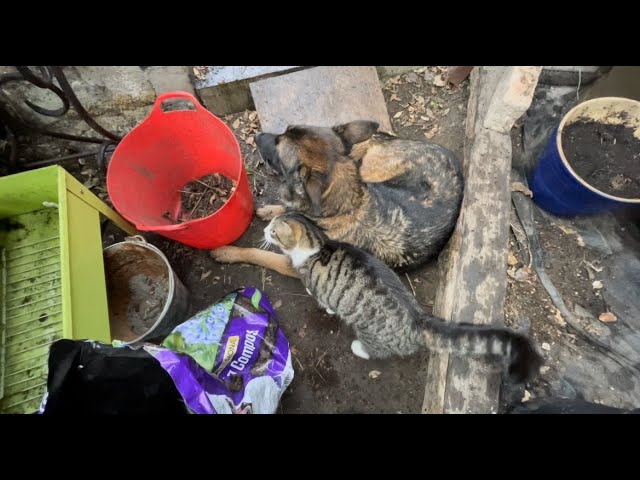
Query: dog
398,199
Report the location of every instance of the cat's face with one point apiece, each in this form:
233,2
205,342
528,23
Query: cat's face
295,235
286,233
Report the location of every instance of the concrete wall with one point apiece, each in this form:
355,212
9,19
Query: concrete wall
118,97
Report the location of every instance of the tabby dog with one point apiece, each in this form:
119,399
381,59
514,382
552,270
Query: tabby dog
367,295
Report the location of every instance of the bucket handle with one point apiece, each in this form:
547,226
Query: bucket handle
157,107
136,239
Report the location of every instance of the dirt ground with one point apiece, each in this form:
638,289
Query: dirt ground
328,377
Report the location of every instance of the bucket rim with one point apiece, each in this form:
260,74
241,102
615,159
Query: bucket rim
568,115
140,241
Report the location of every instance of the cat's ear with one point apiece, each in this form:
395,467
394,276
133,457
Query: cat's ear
285,229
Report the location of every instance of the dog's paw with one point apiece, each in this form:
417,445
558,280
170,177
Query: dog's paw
269,212
228,254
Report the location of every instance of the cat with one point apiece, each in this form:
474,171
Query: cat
388,321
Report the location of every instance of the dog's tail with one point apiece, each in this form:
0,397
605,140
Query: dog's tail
521,352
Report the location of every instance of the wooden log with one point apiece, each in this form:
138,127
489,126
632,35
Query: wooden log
473,266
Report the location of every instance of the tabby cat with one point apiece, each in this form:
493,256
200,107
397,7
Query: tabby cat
366,294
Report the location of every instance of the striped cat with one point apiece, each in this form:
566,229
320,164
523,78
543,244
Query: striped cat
367,295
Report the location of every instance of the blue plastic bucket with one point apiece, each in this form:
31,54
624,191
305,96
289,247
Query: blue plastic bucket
556,187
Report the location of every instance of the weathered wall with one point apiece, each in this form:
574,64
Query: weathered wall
118,97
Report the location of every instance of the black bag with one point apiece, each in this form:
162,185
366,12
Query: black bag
92,378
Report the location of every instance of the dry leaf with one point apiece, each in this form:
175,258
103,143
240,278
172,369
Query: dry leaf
597,285
374,374
236,124
429,112
251,141
521,275
447,110
593,267
423,118
546,346
519,187
526,397
205,275
593,330
567,230
394,97
558,319
607,317
438,81
413,77
512,259
431,133
253,116
399,114
200,72
277,304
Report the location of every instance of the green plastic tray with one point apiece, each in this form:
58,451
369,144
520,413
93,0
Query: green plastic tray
52,281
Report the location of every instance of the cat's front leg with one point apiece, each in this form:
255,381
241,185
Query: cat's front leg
358,349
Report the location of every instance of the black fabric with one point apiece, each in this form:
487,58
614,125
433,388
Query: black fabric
568,406
87,378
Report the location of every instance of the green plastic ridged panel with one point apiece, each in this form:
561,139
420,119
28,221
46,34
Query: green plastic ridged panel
32,306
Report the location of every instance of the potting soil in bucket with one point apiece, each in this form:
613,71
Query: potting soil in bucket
592,161
146,298
180,174
605,156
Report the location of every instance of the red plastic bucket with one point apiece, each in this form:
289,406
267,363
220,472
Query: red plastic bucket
165,152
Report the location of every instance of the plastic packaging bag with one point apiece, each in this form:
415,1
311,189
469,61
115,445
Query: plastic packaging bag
229,358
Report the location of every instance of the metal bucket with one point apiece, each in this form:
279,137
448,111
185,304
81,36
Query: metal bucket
147,300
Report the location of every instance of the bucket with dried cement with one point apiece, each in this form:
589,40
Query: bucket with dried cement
146,298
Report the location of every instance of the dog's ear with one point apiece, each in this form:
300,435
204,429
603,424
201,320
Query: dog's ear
356,132
314,186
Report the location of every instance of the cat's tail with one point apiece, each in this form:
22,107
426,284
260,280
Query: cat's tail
520,351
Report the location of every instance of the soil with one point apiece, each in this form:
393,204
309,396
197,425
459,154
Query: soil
606,156
204,196
137,290
148,297
328,377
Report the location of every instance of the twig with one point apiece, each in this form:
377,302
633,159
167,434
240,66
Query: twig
294,294
320,374
201,182
192,193
296,359
411,285
579,82
325,352
199,199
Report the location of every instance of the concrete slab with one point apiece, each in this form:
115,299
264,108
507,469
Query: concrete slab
225,89
322,96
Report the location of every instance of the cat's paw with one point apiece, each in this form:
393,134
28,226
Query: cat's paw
358,350
269,212
228,254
